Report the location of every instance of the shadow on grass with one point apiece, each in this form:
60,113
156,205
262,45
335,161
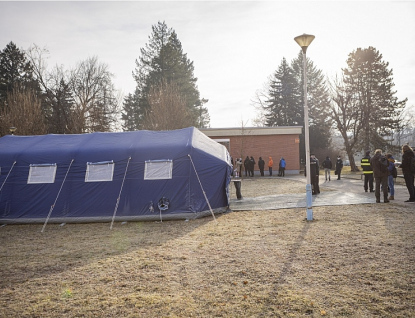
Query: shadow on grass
26,253
285,271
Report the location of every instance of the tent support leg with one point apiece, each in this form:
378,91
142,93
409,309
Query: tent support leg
7,175
119,195
204,193
53,205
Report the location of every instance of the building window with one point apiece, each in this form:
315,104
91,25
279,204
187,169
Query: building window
158,169
42,173
99,171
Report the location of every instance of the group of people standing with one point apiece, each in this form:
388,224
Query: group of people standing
249,166
379,173
380,170
328,166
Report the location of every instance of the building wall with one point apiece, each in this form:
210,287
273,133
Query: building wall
260,143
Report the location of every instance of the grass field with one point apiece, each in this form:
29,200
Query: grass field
351,261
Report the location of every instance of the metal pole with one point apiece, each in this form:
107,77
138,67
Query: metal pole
309,197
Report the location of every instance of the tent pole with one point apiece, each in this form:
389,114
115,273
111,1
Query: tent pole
53,205
7,175
204,193
119,195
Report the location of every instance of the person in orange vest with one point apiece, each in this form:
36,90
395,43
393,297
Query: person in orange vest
270,163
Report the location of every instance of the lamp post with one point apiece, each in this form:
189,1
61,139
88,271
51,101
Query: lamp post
12,130
304,41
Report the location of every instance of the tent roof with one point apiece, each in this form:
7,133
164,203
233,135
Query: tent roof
100,146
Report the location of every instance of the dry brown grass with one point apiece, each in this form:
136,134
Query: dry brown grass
352,261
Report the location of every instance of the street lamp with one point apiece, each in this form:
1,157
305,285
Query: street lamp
304,41
12,130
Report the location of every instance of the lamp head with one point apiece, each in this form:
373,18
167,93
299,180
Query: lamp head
304,41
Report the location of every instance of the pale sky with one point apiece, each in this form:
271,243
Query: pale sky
234,45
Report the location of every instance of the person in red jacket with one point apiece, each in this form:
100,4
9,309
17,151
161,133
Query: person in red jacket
270,164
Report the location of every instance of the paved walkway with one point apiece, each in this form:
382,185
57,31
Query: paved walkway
348,190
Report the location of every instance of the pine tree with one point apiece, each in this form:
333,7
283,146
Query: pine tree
162,59
318,102
285,103
371,82
283,107
60,101
15,70
131,115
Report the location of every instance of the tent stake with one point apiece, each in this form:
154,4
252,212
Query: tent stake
53,205
119,195
204,193
7,175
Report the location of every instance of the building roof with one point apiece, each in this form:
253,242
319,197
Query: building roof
252,131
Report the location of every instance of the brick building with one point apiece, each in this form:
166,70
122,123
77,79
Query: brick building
262,142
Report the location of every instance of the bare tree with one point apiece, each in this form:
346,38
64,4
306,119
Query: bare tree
258,102
405,128
56,89
168,110
23,110
79,100
346,115
95,102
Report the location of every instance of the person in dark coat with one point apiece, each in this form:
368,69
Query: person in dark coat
327,165
261,166
367,172
339,167
407,155
392,174
251,166
314,174
380,173
246,166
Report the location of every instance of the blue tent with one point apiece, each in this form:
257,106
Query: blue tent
125,176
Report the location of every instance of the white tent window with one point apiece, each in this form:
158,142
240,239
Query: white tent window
42,173
99,171
158,169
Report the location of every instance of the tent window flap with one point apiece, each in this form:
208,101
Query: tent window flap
42,173
158,169
99,171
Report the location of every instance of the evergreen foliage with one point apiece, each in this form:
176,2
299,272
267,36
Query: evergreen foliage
15,70
283,108
370,81
318,101
285,105
162,59
131,116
